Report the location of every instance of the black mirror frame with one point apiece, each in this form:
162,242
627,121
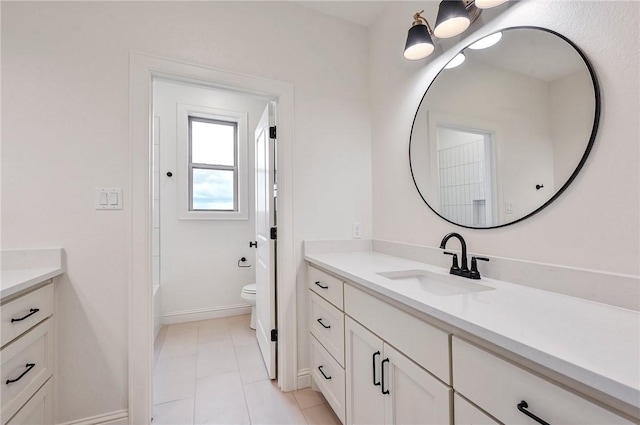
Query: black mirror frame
585,155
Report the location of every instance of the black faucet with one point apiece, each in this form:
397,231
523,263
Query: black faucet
464,270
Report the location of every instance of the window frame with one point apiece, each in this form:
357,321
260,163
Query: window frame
208,166
184,187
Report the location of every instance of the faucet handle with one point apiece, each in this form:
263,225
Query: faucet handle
474,273
454,265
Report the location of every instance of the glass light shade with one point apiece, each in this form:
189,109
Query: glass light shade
452,19
486,42
456,61
419,44
486,4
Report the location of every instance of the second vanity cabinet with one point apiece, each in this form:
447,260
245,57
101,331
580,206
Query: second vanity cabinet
28,357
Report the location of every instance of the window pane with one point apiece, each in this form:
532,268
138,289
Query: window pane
212,190
212,143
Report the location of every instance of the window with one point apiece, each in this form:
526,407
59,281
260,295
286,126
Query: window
213,165
212,179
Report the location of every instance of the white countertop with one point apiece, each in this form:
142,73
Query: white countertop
24,268
14,281
592,343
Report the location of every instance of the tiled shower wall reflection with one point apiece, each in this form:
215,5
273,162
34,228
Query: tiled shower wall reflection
463,183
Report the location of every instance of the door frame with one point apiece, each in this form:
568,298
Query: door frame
143,68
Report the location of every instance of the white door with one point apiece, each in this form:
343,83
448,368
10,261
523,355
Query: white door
265,254
364,351
412,396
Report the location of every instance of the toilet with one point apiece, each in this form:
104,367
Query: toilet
249,295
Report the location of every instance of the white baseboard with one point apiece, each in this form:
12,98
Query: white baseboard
205,314
304,378
121,417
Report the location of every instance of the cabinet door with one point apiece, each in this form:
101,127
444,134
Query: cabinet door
365,403
412,395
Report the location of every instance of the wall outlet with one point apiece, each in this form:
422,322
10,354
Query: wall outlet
356,230
508,207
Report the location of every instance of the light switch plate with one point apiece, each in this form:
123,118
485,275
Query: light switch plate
108,198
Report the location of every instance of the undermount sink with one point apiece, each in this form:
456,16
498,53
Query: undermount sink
435,283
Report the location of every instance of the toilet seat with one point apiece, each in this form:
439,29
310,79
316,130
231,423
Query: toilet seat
249,289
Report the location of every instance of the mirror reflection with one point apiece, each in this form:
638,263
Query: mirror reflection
505,128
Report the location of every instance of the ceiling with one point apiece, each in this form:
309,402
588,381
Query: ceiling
361,12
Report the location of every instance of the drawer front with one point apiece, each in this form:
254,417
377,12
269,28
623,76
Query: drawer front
329,376
38,410
499,386
465,413
424,344
327,325
325,285
24,312
29,362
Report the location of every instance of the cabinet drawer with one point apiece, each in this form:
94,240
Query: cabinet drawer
26,312
466,413
38,410
329,376
498,386
424,344
325,285
327,325
29,362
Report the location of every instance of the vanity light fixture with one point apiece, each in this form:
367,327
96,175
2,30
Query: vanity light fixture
454,17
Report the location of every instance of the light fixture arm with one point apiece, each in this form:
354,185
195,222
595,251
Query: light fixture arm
418,19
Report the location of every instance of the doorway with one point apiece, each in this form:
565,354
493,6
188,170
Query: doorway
144,69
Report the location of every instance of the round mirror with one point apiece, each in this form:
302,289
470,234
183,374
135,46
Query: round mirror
504,128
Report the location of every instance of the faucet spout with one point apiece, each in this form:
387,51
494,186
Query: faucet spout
458,236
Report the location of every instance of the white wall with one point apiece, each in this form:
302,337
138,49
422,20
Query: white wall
65,115
594,224
569,105
199,271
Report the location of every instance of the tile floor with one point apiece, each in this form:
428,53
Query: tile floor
211,372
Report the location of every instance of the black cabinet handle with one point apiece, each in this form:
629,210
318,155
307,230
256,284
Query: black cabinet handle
31,313
523,405
323,325
382,373
320,285
322,372
169,174
377,353
253,244
29,366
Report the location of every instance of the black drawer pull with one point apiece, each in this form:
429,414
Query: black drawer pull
382,373
323,325
29,366
322,286
377,353
31,313
523,405
322,372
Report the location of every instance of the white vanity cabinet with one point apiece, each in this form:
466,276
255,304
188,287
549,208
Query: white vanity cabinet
500,387
27,356
386,387
326,320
